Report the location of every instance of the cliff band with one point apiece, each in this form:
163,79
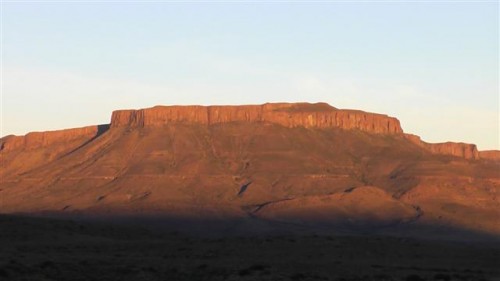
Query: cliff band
289,115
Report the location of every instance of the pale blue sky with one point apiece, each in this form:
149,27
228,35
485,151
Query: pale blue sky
433,65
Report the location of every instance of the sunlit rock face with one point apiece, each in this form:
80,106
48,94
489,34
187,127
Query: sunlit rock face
285,114
490,154
41,139
459,149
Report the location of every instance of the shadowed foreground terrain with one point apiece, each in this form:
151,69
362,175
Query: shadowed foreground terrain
53,249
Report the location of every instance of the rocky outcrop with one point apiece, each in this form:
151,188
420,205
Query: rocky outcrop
463,150
490,154
40,139
286,114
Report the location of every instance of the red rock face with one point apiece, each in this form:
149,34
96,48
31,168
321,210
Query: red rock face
463,150
319,115
40,139
490,154
287,115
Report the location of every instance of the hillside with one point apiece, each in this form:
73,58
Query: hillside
310,165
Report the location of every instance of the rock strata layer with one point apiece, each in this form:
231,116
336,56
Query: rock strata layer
490,154
290,115
285,114
459,149
35,140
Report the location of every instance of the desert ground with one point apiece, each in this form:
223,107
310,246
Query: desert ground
61,249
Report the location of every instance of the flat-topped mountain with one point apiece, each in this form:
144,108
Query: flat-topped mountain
319,115
294,163
289,115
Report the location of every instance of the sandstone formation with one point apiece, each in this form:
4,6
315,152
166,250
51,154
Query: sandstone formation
490,154
285,114
40,139
462,150
290,115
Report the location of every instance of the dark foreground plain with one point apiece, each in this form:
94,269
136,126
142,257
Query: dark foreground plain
60,249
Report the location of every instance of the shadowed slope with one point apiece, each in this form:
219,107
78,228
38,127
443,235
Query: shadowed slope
363,206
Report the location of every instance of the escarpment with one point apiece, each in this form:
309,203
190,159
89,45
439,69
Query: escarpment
490,154
459,149
35,140
289,115
284,114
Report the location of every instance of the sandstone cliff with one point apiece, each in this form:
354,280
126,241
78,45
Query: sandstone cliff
490,154
40,139
463,150
285,114
319,115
